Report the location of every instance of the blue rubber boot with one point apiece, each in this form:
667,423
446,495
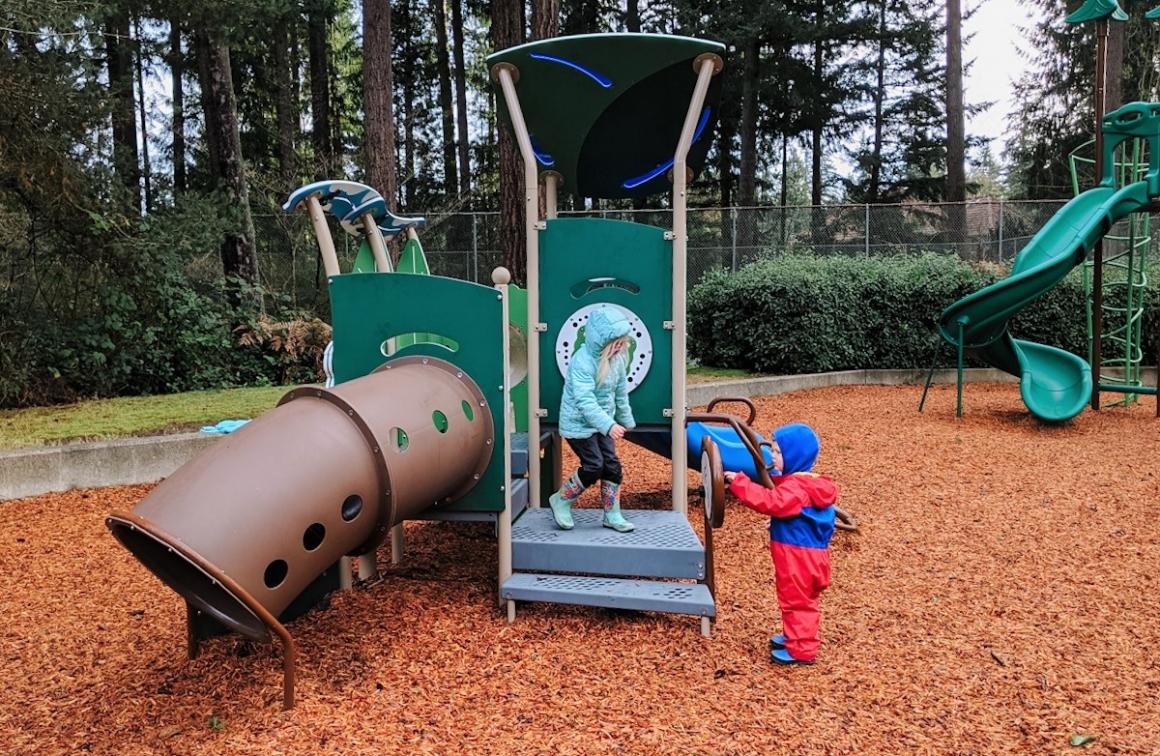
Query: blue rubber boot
783,656
776,642
561,502
610,495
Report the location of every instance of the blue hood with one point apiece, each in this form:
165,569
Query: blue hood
604,324
799,447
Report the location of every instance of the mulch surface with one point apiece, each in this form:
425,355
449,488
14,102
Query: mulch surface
1001,597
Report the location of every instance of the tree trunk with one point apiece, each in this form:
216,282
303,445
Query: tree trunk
285,104
146,173
545,25
874,186
632,16
450,176
464,142
378,100
545,19
747,180
177,71
407,77
1113,88
319,51
238,253
507,31
817,216
119,62
956,188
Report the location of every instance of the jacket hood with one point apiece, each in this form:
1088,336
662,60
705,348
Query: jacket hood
799,447
604,324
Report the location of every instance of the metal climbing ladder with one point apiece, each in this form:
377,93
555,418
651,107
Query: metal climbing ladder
1125,274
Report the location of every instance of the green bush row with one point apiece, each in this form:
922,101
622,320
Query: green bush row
808,314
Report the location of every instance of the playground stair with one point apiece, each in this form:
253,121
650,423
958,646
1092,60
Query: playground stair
591,565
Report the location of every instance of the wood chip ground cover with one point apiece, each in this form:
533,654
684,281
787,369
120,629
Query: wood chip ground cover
1000,598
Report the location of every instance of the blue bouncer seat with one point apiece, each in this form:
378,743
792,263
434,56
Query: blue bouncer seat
734,456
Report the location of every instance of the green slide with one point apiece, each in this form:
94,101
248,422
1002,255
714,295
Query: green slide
1055,384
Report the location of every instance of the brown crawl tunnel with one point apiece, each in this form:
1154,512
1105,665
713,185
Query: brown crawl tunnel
243,528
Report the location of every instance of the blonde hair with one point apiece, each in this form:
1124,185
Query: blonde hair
606,356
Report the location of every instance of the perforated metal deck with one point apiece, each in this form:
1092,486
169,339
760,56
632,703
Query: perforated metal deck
663,545
617,593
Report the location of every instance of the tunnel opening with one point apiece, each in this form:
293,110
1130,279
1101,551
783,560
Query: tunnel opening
178,571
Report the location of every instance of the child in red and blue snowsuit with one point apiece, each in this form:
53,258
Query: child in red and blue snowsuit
801,512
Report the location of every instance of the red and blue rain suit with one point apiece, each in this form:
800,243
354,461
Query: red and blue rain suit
801,512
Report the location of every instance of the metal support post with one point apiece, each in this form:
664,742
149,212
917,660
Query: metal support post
1000,230
733,212
706,66
322,234
959,374
501,278
867,248
506,74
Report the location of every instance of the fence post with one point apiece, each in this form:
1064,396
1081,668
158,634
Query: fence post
474,246
733,212
1000,230
867,229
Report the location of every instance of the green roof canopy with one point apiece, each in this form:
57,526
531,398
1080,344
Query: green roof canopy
605,111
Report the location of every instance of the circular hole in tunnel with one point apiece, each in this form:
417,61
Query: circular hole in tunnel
468,412
440,421
351,507
276,572
313,536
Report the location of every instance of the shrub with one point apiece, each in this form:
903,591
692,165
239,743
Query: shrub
806,314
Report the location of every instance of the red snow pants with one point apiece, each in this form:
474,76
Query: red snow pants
801,575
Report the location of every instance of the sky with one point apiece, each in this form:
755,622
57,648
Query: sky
995,63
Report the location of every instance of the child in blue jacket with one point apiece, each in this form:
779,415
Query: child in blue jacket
801,511
594,413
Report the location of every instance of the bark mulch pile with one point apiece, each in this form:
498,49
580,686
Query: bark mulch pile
1002,596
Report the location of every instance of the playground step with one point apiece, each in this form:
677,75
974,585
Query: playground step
615,593
663,545
519,504
519,454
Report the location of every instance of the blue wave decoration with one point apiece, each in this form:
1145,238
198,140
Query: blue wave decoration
603,81
661,169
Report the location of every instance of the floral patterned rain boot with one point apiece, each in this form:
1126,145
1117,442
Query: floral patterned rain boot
610,496
561,502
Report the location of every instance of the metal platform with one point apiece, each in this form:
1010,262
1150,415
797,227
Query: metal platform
519,504
616,593
663,545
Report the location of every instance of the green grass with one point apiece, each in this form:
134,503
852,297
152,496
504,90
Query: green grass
133,416
149,415
702,374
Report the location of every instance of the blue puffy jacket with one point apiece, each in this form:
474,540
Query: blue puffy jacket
585,407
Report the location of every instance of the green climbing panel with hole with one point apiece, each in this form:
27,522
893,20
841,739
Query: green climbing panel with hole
585,262
370,308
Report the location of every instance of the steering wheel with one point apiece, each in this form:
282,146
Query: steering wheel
713,483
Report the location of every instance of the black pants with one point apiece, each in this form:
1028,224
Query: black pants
598,460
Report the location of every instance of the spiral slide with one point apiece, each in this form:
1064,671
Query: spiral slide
1055,384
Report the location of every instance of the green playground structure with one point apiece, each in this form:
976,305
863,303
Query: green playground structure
444,393
1055,384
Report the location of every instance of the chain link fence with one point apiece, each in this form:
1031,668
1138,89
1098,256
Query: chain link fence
466,245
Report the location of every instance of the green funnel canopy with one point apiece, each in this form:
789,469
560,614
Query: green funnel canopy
1153,14
605,111
1097,10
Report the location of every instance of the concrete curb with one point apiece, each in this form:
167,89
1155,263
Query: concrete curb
129,461
124,461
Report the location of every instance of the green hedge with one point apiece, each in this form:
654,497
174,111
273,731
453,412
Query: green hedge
808,314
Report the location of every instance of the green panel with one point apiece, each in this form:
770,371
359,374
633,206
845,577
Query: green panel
606,108
369,308
364,261
575,250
